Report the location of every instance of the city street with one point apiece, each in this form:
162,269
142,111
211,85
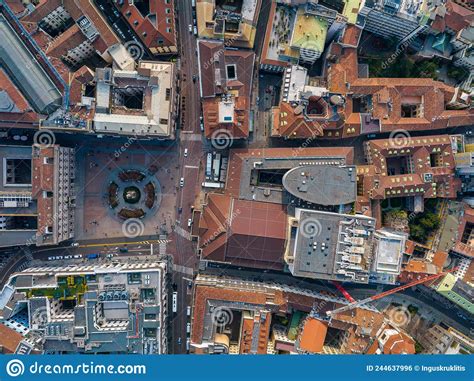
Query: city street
190,140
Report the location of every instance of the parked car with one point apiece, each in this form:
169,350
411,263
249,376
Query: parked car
51,258
68,257
190,222
77,256
185,152
75,244
190,28
181,182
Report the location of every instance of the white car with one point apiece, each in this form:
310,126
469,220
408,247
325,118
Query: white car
75,244
185,152
190,222
59,257
68,257
190,28
51,258
181,182
77,256
188,327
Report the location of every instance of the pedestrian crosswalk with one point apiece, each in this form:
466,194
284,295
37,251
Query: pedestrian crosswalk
162,247
183,269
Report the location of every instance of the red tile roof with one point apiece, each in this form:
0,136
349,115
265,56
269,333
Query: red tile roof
359,325
313,335
461,247
290,122
387,96
214,59
15,95
9,339
244,233
380,184
157,29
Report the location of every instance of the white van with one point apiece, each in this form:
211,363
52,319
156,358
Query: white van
174,302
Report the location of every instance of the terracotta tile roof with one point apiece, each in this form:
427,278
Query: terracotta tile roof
242,232
381,185
461,247
238,129
9,339
204,293
15,95
410,247
43,181
439,259
42,10
80,78
351,36
66,41
313,335
457,17
248,331
27,119
246,335
157,29
78,8
469,277
291,123
214,59
16,6
397,342
360,325
387,96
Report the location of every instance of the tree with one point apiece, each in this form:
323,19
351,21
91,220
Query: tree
457,73
426,69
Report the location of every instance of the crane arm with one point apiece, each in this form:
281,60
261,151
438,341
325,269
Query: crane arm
359,303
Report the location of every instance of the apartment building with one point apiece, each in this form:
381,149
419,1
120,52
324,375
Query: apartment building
37,198
108,308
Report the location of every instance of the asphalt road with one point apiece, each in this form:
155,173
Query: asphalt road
190,140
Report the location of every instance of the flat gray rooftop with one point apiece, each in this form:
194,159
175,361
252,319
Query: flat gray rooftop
26,72
250,165
322,184
332,246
